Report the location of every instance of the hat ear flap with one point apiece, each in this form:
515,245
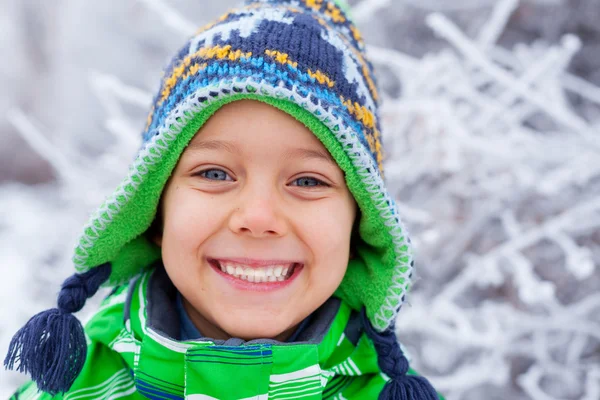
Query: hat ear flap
394,364
51,347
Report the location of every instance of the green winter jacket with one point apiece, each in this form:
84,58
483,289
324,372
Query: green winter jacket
133,353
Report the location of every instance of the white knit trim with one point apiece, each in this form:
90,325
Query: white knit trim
360,157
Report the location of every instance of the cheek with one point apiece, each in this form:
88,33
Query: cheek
328,230
189,218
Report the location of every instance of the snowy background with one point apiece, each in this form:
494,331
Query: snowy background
491,122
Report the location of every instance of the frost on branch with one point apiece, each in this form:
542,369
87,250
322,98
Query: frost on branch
498,178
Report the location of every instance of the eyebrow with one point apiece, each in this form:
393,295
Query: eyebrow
309,154
215,145
305,154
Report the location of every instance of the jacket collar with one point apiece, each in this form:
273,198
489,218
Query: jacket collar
164,367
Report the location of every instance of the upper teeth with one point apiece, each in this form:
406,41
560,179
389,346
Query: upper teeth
271,273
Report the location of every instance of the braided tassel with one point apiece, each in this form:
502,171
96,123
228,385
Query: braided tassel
51,347
394,364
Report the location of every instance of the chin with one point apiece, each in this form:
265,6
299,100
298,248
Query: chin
254,329
253,334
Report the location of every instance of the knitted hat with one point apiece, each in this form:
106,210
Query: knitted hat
304,57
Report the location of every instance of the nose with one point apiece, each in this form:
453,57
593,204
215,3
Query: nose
258,213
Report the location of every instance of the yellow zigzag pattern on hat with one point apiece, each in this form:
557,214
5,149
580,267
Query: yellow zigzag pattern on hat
283,58
218,52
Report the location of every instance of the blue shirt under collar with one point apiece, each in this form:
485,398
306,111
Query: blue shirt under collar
188,330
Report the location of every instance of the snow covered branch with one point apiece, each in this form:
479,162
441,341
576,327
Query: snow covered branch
484,145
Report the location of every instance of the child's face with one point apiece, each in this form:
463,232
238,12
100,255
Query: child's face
255,193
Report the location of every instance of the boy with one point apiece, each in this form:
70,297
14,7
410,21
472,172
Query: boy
253,247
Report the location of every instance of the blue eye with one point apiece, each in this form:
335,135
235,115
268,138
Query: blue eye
307,181
214,174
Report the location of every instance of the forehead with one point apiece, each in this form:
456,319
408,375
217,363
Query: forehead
243,125
251,116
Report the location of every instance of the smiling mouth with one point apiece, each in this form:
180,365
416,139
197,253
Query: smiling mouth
263,274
